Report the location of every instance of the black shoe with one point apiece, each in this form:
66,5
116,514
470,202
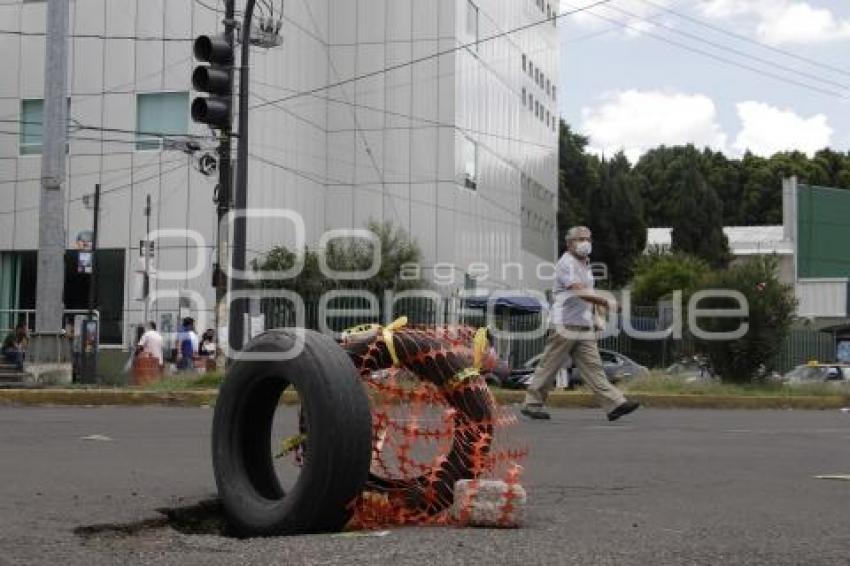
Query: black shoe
535,413
623,410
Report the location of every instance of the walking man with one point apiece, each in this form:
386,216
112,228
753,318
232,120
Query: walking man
572,333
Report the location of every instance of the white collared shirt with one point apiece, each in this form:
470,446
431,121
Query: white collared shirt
569,309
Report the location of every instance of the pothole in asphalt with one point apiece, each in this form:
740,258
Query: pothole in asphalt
203,518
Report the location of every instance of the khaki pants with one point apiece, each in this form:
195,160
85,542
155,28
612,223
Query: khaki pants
585,353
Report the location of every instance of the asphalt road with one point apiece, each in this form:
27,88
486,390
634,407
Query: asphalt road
662,487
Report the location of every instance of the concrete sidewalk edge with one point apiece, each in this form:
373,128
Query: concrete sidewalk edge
199,398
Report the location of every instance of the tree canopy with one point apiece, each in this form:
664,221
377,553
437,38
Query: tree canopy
695,192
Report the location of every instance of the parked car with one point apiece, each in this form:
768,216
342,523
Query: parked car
814,372
692,368
617,368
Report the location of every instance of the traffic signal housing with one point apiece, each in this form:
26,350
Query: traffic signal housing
215,79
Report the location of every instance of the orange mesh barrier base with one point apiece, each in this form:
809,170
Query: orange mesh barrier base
434,422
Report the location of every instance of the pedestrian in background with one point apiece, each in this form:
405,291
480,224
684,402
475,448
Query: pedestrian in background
573,333
187,345
15,346
150,344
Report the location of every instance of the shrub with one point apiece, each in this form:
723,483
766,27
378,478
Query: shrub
771,307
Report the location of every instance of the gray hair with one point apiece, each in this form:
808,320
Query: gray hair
577,232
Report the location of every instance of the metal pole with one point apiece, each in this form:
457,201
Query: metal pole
237,308
51,225
225,186
91,356
93,279
146,281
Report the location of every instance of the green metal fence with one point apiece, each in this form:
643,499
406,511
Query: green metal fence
515,342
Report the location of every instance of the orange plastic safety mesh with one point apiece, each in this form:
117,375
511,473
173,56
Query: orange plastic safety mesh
435,422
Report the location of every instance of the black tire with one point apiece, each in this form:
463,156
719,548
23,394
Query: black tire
338,423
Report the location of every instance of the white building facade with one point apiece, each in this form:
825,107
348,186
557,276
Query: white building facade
429,114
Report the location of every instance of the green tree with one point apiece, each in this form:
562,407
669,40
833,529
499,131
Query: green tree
698,221
615,217
770,308
658,274
346,255
578,179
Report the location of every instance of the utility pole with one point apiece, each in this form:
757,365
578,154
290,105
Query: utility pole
216,110
238,307
225,186
51,225
216,78
90,341
147,252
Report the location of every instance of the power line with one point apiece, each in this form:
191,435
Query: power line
77,126
433,55
89,173
720,58
435,123
95,36
742,37
733,50
112,190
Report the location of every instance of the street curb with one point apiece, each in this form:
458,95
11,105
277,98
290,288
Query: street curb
201,398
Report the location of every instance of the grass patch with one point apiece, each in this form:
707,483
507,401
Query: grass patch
664,384
186,382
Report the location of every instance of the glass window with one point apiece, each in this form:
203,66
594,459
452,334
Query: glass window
524,62
160,114
530,69
548,86
32,116
554,93
470,163
523,96
537,76
472,22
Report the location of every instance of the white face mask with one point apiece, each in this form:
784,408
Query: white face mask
583,249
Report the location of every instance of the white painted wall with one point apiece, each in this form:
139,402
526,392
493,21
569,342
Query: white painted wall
386,147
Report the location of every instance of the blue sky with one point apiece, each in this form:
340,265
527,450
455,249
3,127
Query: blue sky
629,90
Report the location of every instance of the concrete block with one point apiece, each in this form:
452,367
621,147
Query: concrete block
489,503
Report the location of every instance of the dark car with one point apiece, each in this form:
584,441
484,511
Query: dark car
617,368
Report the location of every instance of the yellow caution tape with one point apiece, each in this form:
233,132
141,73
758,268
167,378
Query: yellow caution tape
360,329
398,323
291,444
466,374
479,347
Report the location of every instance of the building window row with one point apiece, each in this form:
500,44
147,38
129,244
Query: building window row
540,111
470,163
546,7
539,77
158,114
472,18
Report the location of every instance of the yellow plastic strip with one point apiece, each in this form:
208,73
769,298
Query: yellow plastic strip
466,374
400,322
479,347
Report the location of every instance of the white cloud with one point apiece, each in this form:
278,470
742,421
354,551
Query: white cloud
782,21
635,121
767,130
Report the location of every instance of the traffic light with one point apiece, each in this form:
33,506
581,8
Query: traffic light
215,79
